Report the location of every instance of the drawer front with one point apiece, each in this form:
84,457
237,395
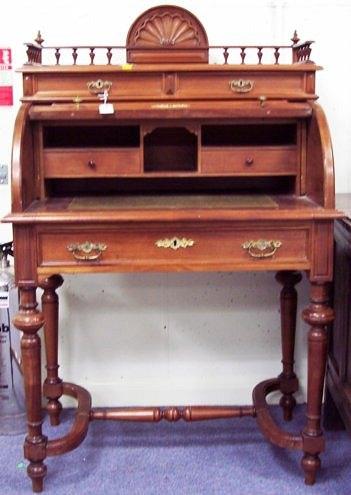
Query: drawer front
250,160
194,85
94,162
241,84
174,249
125,85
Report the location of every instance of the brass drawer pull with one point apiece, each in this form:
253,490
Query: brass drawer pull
91,164
99,86
241,85
175,243
261,248
249,161
87,251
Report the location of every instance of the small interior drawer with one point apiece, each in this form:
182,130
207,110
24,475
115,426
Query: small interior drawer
92,162
249,160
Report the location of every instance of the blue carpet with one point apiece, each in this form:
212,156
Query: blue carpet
216,457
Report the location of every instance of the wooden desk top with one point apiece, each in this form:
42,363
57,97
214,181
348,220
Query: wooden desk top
172,208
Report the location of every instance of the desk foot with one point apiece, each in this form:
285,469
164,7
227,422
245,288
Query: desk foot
37,471
310,464
288,307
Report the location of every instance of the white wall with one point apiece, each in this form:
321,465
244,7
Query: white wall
182,338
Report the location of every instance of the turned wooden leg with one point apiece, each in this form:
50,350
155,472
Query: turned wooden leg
52,384
318,315
288,306
29,320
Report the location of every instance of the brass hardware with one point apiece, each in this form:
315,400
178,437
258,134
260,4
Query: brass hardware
241,85
262,100
87,251
77,100
261,248
175,243
91,164
169,106
99,86
249,161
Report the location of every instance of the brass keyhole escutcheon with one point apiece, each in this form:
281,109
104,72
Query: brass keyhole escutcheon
175,243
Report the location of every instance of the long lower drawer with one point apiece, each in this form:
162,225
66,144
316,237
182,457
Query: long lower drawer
153,248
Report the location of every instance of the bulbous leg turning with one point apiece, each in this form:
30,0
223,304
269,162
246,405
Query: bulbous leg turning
318,315
29,320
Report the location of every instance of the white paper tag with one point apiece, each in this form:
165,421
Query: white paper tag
4,299
106,109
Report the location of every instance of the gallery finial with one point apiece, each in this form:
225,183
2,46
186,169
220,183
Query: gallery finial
39,39
295,39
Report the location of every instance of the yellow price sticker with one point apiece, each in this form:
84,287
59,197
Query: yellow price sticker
127,66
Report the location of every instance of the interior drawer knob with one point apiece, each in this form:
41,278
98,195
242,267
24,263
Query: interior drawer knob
91,164
249,161
262,248
87,251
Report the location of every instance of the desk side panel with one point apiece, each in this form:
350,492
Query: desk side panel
320,162
23,167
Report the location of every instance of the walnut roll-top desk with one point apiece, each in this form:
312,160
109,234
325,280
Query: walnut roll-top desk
148,157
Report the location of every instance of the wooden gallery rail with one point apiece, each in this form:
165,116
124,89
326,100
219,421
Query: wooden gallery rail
167,162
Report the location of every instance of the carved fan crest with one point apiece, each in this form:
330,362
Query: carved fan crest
167,34
166,30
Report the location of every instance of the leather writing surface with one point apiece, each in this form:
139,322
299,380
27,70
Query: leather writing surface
173,201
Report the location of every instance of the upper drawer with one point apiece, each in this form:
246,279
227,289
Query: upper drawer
208,82
92,162
250,160
241,85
